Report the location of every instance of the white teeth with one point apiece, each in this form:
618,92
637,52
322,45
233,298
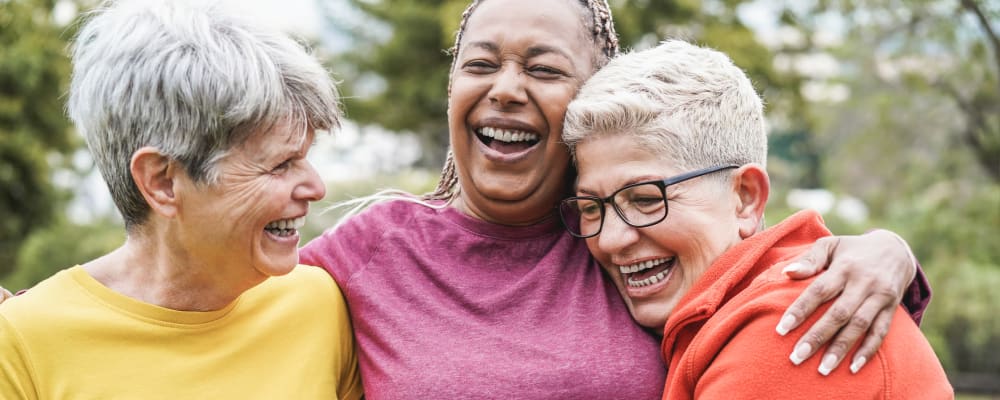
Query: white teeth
293,223
648,281
642,266
509,136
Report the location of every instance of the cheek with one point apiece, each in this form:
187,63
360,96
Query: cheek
555,106
253,197
599,255
463,94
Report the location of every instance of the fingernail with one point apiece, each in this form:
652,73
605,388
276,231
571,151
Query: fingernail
827,364
857,364
793,267
785,324
800,353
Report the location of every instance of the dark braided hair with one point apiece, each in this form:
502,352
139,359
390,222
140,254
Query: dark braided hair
603,34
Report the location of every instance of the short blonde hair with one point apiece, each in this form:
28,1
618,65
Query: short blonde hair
682,101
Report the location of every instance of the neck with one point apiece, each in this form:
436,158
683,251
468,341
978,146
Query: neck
510,215
152,272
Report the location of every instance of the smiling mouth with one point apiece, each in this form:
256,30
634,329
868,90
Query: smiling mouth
506,140
285,227
648,272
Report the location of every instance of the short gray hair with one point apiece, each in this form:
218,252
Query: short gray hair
190,79
682,101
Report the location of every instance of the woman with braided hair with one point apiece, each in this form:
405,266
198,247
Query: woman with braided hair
476,290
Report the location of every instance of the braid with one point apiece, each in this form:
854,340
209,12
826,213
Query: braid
604,36
458,38
447,187
603,28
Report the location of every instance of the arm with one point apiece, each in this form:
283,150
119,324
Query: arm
15,378
871,273
349,378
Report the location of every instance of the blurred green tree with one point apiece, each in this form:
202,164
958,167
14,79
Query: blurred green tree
928,66
916,134
34,71
76,243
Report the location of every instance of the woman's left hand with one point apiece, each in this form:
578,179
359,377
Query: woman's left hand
870,272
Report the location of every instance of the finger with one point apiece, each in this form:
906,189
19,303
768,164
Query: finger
836,317
824,288
813,261
4,294
876,335
859,324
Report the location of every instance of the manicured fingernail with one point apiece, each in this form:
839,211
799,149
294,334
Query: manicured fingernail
785,325
857,364
826,366
793,267
800,353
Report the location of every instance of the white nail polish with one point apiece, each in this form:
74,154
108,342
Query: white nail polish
785,325
857,364
799,355
827,364
793,267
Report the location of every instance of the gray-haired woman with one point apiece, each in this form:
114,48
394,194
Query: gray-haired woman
200,124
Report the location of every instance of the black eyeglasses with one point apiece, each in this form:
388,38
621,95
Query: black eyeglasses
639,204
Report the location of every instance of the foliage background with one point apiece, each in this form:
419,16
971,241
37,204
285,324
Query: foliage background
895,103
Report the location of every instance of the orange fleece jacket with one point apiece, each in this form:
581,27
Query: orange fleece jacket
721,344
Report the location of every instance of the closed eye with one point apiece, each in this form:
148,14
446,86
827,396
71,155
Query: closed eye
284,166
479,67
545,72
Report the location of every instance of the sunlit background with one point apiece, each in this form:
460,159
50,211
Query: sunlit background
883,113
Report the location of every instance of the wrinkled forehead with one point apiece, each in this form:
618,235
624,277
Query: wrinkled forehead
570,18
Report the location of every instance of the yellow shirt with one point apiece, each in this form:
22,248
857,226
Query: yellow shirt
72,338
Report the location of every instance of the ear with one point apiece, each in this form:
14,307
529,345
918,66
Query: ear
752,187
155,175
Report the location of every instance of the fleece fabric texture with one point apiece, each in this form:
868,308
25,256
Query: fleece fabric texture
720,340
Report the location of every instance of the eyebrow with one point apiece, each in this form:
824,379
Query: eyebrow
634,179
533,51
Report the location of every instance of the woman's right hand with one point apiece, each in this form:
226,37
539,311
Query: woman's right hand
4,295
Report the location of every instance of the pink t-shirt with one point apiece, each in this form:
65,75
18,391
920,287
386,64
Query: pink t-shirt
446,306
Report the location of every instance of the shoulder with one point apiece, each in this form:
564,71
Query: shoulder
346,247
742,333
305,282
306,293
45,298
370,224
392,212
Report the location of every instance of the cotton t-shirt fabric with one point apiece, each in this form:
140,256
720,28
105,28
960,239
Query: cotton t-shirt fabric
70,337
446,306
720,339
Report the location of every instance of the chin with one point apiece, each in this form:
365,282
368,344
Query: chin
278,266
651,317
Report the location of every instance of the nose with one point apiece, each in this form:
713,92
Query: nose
508,87
312,187
616,236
